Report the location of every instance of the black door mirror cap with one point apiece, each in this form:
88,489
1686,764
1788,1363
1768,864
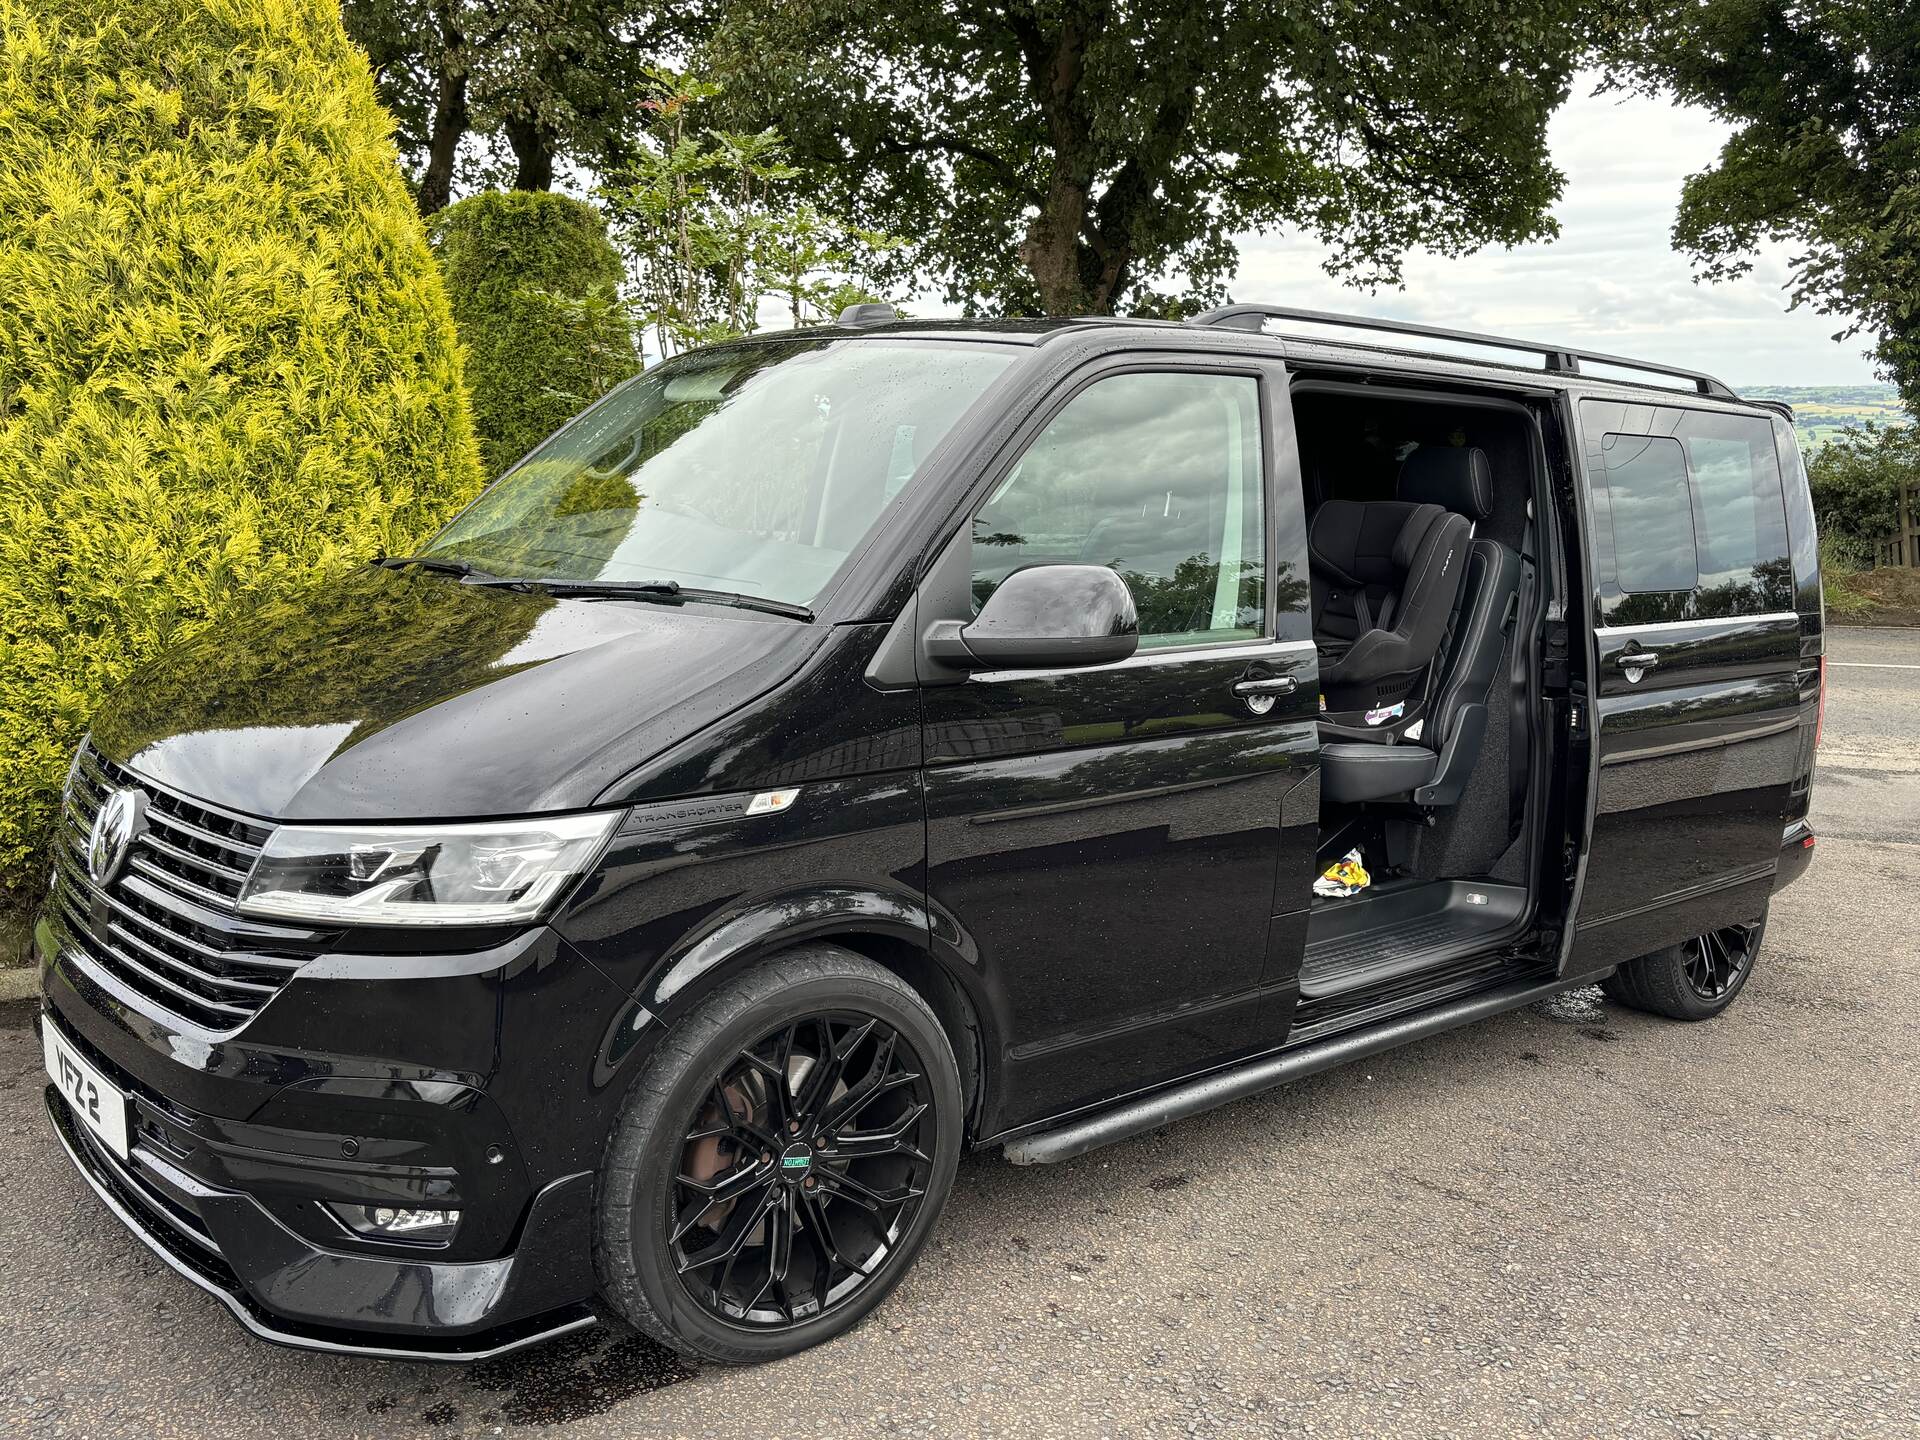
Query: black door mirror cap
1043,618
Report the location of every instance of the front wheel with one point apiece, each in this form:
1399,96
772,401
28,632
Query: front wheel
1694,980
781,1161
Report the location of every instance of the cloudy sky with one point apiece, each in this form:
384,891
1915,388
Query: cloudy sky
1610,282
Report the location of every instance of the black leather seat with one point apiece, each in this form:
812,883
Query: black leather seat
1426,757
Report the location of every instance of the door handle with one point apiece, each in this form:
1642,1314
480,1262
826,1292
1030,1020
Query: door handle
1636,663
1261,692
1267,685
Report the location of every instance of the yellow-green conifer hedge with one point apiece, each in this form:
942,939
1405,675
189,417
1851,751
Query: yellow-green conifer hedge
535,288
227,363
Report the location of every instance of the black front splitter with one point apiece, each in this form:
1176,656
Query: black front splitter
121,1194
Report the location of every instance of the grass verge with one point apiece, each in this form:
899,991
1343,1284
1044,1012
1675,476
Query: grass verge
1886,596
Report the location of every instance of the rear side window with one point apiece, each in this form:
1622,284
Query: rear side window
1651,505
1689,520
1804,542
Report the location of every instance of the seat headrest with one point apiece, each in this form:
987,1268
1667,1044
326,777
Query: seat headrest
1455,477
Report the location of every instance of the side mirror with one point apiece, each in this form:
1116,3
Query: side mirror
1043,618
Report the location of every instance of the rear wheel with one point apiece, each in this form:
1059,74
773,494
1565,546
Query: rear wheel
781,1161
1694,980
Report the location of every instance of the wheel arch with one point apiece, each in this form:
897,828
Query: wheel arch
891,929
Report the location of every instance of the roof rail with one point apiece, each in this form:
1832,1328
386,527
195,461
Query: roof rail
1560,359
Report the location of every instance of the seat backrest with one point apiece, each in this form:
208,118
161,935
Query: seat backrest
1488,606
1357,581
1388,574
1354,580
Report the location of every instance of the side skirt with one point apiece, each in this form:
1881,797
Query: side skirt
1223,1087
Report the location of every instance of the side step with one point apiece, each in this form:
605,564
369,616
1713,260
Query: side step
1151,1111
1399,929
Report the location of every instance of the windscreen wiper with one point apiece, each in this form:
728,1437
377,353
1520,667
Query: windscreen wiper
435,564
612,589
749,602
662,590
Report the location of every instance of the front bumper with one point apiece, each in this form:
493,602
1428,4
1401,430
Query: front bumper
236,1140
358,1304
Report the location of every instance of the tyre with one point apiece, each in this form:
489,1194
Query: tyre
1694,980
780,1161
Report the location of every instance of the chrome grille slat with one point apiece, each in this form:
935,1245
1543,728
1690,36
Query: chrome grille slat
274,964
166,929
180,967
144,978
83,813
124,963
160,875
186,857
207,837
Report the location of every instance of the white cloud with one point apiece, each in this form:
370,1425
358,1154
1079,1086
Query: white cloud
1611,281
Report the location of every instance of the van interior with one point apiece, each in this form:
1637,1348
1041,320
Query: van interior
1425,514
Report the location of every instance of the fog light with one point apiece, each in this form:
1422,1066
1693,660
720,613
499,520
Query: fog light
381,1222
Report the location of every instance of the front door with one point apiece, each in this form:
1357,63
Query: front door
1107,840
1698,692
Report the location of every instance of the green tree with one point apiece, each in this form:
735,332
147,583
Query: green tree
709,221
550,80
226,360
1824,100
1856,481
1072,155
535,288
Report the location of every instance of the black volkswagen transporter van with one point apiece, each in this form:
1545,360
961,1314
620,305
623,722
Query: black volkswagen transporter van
837,749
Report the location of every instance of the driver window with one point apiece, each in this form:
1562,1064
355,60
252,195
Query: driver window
1157,475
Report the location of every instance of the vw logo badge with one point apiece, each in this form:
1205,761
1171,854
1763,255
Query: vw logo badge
115,828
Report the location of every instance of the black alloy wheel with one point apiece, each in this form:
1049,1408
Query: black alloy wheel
1694,980
804,1167
781,1157
1717,961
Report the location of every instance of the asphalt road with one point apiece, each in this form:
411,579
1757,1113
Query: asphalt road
1570,1221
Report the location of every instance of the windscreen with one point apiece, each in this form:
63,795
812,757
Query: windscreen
756,469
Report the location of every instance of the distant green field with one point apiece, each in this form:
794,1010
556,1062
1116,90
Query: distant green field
1821,412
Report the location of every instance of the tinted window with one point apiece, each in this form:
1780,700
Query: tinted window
1653,540
1689,522
1802,540
1741,518
1157,476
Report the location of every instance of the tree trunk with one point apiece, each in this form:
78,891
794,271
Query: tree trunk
443,149
1056,64
1051,250
534,152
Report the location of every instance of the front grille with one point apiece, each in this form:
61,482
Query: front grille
166,927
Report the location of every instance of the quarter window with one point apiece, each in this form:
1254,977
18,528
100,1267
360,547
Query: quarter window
1157,475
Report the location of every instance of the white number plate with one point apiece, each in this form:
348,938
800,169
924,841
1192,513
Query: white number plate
100,1106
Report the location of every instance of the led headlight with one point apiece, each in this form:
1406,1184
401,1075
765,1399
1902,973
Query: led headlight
485,873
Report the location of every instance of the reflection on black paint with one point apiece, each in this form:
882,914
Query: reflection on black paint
1109,842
